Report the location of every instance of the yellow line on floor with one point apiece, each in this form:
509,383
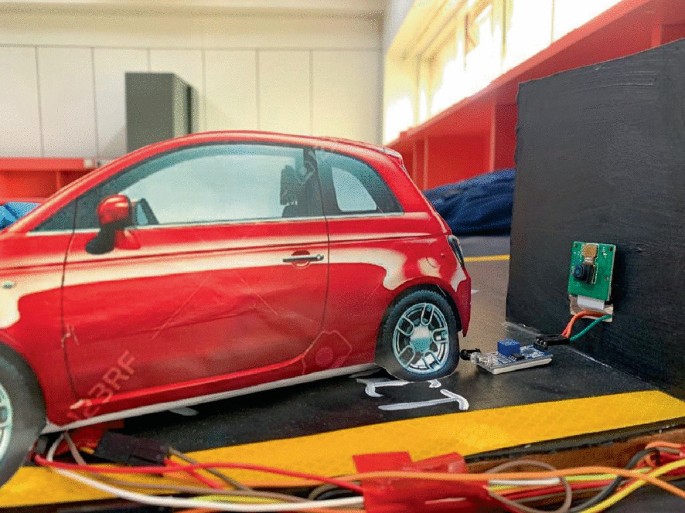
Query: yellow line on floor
331,453
488,258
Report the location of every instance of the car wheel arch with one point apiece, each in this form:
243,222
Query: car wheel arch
11,354
410,289
24,405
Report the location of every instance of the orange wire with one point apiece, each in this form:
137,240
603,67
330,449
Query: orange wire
583,313
649,459
670,445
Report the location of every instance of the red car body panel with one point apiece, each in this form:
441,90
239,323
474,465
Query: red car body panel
157,323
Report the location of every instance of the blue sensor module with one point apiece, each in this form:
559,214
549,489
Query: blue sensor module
523,358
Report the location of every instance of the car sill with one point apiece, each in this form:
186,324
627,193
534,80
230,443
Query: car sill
154,408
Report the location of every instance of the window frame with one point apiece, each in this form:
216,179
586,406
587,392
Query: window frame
330,198
70,210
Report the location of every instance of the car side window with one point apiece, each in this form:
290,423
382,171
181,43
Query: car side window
214,183
350,193
353,187
62,220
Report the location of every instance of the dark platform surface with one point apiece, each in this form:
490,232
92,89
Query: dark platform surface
600,158
340,403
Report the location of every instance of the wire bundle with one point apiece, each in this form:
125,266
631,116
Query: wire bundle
515,491
610,488
223,495
597,319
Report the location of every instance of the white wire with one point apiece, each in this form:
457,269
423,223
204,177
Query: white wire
525,482
175,502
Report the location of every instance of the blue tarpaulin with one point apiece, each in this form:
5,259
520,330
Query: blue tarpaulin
13,210
479,205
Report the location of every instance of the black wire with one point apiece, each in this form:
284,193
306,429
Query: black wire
611,488
329,491
217,473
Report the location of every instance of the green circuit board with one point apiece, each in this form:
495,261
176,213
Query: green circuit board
591,270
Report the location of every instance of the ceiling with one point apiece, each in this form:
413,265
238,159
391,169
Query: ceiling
286,7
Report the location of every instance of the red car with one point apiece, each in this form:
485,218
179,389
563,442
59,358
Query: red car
219,264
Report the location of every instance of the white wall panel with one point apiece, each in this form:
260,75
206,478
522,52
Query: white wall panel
19,114
285,91
291,32
102,29
188,31
346,94
231,89
67,102
111,66
187,64
252,71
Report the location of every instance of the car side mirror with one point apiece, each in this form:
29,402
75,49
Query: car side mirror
115,211
115,214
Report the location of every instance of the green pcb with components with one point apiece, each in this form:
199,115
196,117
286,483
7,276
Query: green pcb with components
592,265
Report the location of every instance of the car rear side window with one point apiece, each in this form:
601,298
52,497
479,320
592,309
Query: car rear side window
215,183
352,187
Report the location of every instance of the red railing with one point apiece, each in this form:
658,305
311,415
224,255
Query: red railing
478,133
39,177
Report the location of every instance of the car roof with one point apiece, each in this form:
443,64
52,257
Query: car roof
354,148
309,140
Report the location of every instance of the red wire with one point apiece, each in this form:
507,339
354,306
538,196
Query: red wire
583,313
198,466
664,457
196,475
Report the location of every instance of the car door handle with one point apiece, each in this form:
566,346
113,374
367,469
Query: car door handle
303,258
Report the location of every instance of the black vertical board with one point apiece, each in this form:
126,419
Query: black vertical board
601,158
159,106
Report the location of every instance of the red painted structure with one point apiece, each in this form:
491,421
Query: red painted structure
39,177
193,310
478,134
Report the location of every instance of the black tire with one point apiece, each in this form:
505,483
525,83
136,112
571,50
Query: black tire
412,355
20,391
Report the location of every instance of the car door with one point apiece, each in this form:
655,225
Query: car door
222,283
371,239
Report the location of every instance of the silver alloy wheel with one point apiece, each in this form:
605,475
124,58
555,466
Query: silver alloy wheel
420,340
6,421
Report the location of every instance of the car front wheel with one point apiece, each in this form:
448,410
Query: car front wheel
22,413
419,340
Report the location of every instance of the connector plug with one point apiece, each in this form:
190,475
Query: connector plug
130,450
465,354
397,495
542,342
